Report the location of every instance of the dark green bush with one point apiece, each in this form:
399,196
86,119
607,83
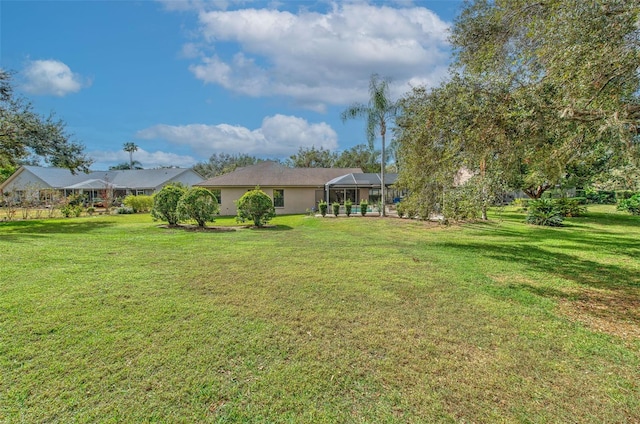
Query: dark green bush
601,197
336,208
347,207
257,206
631,205
624,194
544,212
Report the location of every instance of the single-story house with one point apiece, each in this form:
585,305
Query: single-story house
293,190
34,181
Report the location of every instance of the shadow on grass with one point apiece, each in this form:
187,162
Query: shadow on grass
20,229
271,228
581,271
573,235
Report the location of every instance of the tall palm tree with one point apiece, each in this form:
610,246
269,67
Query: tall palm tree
130,147
379,109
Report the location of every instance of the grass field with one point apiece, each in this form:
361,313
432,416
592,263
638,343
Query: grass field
365,320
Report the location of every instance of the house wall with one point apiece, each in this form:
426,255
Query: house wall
296,199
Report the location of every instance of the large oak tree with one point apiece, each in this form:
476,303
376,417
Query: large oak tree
27,137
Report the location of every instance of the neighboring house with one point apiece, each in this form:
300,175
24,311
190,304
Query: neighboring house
293,190
33,181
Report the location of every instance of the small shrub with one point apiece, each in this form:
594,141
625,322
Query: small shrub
257,206
631,205
71,211
348,206
401,210
91,210
165,203
125,210
140,203
336,208
363,207
544,212
322,206
198,204
569,207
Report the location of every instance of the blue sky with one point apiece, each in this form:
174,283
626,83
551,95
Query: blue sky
187,79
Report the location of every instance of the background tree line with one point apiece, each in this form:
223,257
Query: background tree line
359,156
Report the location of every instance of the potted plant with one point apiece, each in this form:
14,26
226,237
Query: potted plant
336,208
347,207
363,207
322,205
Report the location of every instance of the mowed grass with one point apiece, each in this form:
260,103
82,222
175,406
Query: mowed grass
364,320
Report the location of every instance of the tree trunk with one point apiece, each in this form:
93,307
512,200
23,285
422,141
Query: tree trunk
382,186
536,192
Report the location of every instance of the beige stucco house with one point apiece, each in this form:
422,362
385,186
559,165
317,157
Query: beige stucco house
293,190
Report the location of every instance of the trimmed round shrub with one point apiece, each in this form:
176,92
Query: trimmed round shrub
255,205
165,203
199,204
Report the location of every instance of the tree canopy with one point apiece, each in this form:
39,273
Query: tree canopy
26,137
540,94
223,163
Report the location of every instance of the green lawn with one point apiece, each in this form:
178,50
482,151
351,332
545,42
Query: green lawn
365,320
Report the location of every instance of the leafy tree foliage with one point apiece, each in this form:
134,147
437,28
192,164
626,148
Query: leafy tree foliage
257,206
26,136
569,68
360,156
223,163
199,204
311,157
127,165
541,93
165,203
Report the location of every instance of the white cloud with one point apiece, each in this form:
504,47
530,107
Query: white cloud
322,58
52,77
104,159
279,136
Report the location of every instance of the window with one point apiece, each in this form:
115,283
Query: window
278,198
